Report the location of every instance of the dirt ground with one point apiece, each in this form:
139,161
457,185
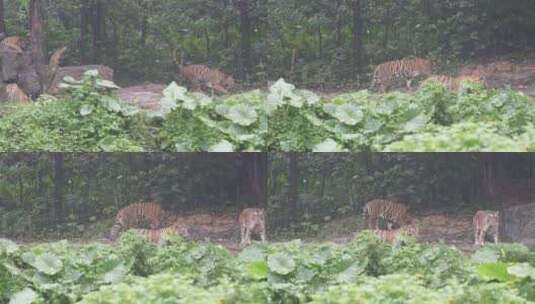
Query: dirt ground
223,229
455,230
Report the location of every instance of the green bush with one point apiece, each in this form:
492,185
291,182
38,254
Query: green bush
366,270
88,118
285,118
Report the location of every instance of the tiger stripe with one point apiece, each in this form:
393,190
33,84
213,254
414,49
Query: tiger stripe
484,222
390,236
396,214
156,235
199,75
455,83
138,215
386,74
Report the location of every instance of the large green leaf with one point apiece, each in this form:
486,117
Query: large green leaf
522,270
281,263
26,296
48,263
116,275
258,270
8,246
328,146
495,272
240,114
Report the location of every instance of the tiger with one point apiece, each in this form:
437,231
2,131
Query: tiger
486,222
390,236
138,215
456,83
252,220
501,67
199,75
404,69
394,213
156,235
15,94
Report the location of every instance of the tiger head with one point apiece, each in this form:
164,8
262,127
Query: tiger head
228,82
422,67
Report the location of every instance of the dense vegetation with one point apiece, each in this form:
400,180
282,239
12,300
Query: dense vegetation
365,271
309,42
90,118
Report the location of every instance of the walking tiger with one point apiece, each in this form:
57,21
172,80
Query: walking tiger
155,235
252,220
200,76
456,83
139,216
390,236
395,214
486,222
386,74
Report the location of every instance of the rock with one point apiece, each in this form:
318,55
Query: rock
146,96
518,224
77,72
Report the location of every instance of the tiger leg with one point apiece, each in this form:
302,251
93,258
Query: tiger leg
409,84
370,222
247,237
195,85
263,233
242,235
219,89
476,236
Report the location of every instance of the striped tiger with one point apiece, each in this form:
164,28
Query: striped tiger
156,235
386,74
394,213
252,220
456,83
486,222
390,236
199,75
13,93
138,215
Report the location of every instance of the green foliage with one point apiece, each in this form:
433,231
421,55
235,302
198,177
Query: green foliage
206,263
283,119
365,270
88,118
195,122
433,119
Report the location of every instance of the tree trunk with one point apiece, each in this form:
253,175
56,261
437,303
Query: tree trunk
3,30
357,37
98,24
83,32
245,39
293,185
320,42
58,187
37,41
207,40
254,178
339,24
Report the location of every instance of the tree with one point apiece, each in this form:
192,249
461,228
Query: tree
293,184
58,187
3,30
37,41
357,37
245,39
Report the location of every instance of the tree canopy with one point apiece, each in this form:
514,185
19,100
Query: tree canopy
310,41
